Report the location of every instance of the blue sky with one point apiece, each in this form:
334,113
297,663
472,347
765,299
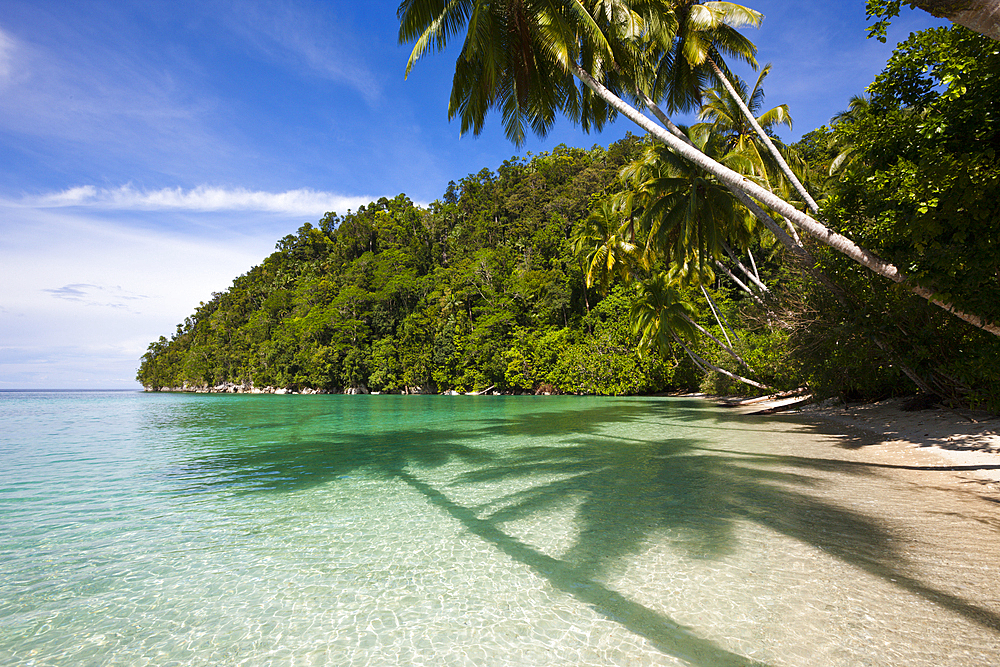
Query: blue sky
150,152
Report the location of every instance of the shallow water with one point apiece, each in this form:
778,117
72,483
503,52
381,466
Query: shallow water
413,530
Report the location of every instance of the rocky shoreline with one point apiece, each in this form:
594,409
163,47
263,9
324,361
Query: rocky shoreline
234,388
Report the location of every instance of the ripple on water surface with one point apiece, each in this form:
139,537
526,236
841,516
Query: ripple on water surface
166,529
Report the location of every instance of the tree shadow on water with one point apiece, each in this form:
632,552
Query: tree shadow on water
407,455
673,487
626,490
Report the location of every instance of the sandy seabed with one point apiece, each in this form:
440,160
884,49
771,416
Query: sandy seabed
831,537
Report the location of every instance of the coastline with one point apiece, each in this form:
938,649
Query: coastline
961,448
964,445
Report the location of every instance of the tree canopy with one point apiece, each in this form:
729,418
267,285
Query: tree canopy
633,269
982,16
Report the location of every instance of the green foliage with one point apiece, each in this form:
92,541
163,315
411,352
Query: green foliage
480,289
487,287
921,188
884,11
925,191
605,361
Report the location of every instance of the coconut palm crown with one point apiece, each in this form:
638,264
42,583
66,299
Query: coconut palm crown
523,57
516,53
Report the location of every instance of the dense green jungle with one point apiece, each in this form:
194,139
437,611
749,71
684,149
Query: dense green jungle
627,270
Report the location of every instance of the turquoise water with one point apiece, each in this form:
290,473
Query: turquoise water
167,529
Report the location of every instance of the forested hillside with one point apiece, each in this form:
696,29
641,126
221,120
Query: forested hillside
631,270
480,290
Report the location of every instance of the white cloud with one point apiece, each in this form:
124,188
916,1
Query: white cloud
82,296
303,201
110,296
306,38
6,56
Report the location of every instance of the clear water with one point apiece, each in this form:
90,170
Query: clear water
406,530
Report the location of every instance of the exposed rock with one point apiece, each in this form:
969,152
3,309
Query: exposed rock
247,388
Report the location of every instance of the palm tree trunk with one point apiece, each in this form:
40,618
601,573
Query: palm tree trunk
711,304
736,181
706,365
785,169
751,276
739,283
663,118
718,342
791,230
756,274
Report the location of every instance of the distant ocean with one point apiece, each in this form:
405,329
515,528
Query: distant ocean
178,529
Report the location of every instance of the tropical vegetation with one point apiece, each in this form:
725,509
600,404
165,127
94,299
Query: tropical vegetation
710,256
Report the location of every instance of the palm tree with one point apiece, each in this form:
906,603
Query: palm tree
749,189
739,136
657,177
686,215
705,30
606,246
514,58
858,106
727,119
661,314
689,220
708,29
520,56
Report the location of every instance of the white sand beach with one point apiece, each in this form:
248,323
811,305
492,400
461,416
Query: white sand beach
961,446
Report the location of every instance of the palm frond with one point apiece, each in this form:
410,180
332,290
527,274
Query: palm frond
431,24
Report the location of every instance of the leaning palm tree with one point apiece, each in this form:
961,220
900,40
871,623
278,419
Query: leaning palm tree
661,315
663,186
521,56
727,119
708,29
688,218
721,110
